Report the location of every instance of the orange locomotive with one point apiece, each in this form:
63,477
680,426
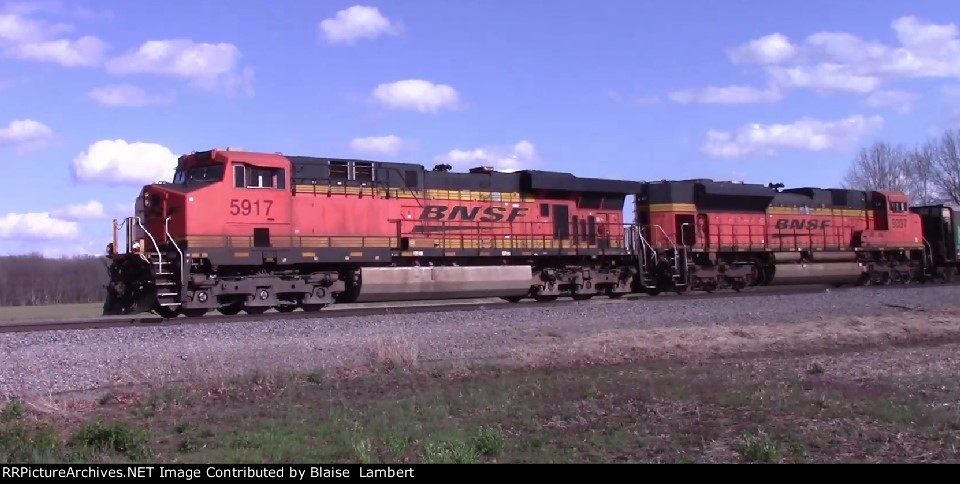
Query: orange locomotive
237,231
737,235
252,231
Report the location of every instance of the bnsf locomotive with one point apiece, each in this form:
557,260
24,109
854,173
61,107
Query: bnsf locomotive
238,231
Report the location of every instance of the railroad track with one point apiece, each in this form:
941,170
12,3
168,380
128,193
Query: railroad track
147,320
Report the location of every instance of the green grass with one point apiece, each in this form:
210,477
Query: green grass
722,412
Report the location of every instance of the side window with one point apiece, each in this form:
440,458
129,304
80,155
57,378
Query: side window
544,210
352,170
339,170
898,206
238,176
363,171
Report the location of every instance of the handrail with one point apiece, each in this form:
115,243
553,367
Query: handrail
155,246
929,251
166,229
676,253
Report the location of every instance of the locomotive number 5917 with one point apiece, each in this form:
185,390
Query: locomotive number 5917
246,207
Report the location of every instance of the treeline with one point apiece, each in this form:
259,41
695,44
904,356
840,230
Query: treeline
928,173
33,280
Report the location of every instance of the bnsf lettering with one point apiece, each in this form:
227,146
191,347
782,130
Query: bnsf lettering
460,212
784,224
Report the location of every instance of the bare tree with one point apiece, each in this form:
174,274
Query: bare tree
948,165
879,167
920,169
30,280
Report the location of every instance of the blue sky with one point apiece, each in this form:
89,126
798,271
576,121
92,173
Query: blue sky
98,98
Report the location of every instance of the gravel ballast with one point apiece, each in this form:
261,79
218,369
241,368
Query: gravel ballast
47,363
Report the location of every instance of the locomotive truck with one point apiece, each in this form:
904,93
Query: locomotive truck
243,231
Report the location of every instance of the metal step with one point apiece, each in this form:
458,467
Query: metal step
170,304
166,283
167,294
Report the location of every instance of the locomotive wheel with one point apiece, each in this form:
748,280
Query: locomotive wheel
545,298
582,297
231,309
167,312
286,308
513,299
312,308
195,312
256,309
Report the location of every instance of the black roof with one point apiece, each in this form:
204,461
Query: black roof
416,176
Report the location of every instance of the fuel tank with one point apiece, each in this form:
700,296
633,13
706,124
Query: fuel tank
817,273
408,283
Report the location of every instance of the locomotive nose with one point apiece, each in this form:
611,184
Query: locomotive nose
159,205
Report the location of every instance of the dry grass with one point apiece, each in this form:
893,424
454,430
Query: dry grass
392,353
614,346
51,312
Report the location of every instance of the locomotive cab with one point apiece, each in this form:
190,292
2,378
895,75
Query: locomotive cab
894,225
218,198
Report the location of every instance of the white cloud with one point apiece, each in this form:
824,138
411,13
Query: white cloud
208,66
841,62
355,23
25,38
382,145
901,101
417,95
825,78
806,134
85,51
36,225
726,95
119,162
647,100
25,134
82,211
18,29
115,95
521,155
769,49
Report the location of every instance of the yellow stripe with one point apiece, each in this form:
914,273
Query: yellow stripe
672,207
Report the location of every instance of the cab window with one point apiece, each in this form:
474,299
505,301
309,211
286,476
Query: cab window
201,174
247,176
898,206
